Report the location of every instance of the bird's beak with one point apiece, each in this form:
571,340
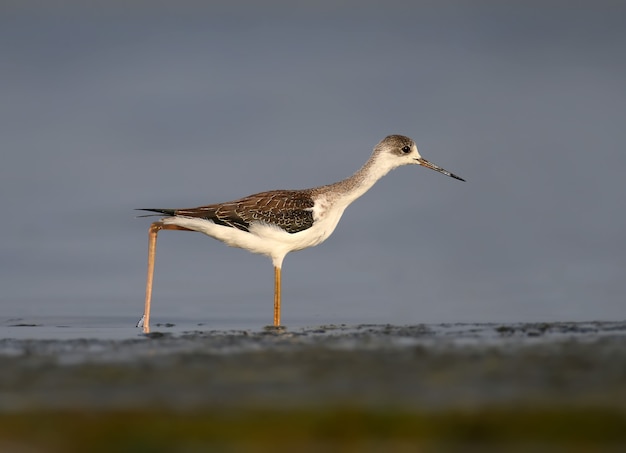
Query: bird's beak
424,163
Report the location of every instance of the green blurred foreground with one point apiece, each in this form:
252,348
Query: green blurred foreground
338,430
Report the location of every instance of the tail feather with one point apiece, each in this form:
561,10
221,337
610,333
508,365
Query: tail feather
170,212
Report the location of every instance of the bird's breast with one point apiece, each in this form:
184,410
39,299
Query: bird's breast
326,216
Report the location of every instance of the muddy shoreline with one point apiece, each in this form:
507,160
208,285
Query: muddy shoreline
414,368
445,387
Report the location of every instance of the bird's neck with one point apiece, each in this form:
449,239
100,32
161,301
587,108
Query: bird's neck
356,185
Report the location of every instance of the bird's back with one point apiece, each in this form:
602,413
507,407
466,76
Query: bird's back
290,210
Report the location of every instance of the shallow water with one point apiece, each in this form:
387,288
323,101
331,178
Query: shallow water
124,328
107,327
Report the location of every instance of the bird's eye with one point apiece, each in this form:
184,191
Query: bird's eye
406,149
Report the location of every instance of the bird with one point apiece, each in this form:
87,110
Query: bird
278,222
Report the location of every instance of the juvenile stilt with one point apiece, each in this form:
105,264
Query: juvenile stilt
278,222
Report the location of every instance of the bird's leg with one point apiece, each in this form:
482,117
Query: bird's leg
276,296
152,240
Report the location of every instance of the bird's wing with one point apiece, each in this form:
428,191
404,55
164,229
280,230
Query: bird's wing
289,210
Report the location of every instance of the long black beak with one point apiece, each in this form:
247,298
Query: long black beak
424,163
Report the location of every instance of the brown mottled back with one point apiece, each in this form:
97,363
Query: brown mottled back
290,210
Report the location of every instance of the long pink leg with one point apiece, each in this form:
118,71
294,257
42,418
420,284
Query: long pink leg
276,296
152,240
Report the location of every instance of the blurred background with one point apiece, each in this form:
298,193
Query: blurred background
119,105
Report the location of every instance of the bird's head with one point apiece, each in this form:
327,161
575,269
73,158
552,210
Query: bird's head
398,150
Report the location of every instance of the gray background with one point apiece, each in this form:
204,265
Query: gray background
123,105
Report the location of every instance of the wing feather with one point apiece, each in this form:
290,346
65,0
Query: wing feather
288,209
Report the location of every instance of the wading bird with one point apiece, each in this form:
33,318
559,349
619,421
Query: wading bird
277,222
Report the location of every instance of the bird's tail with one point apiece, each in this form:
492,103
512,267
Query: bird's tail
170,212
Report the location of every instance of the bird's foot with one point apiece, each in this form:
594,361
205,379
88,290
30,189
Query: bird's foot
275,329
